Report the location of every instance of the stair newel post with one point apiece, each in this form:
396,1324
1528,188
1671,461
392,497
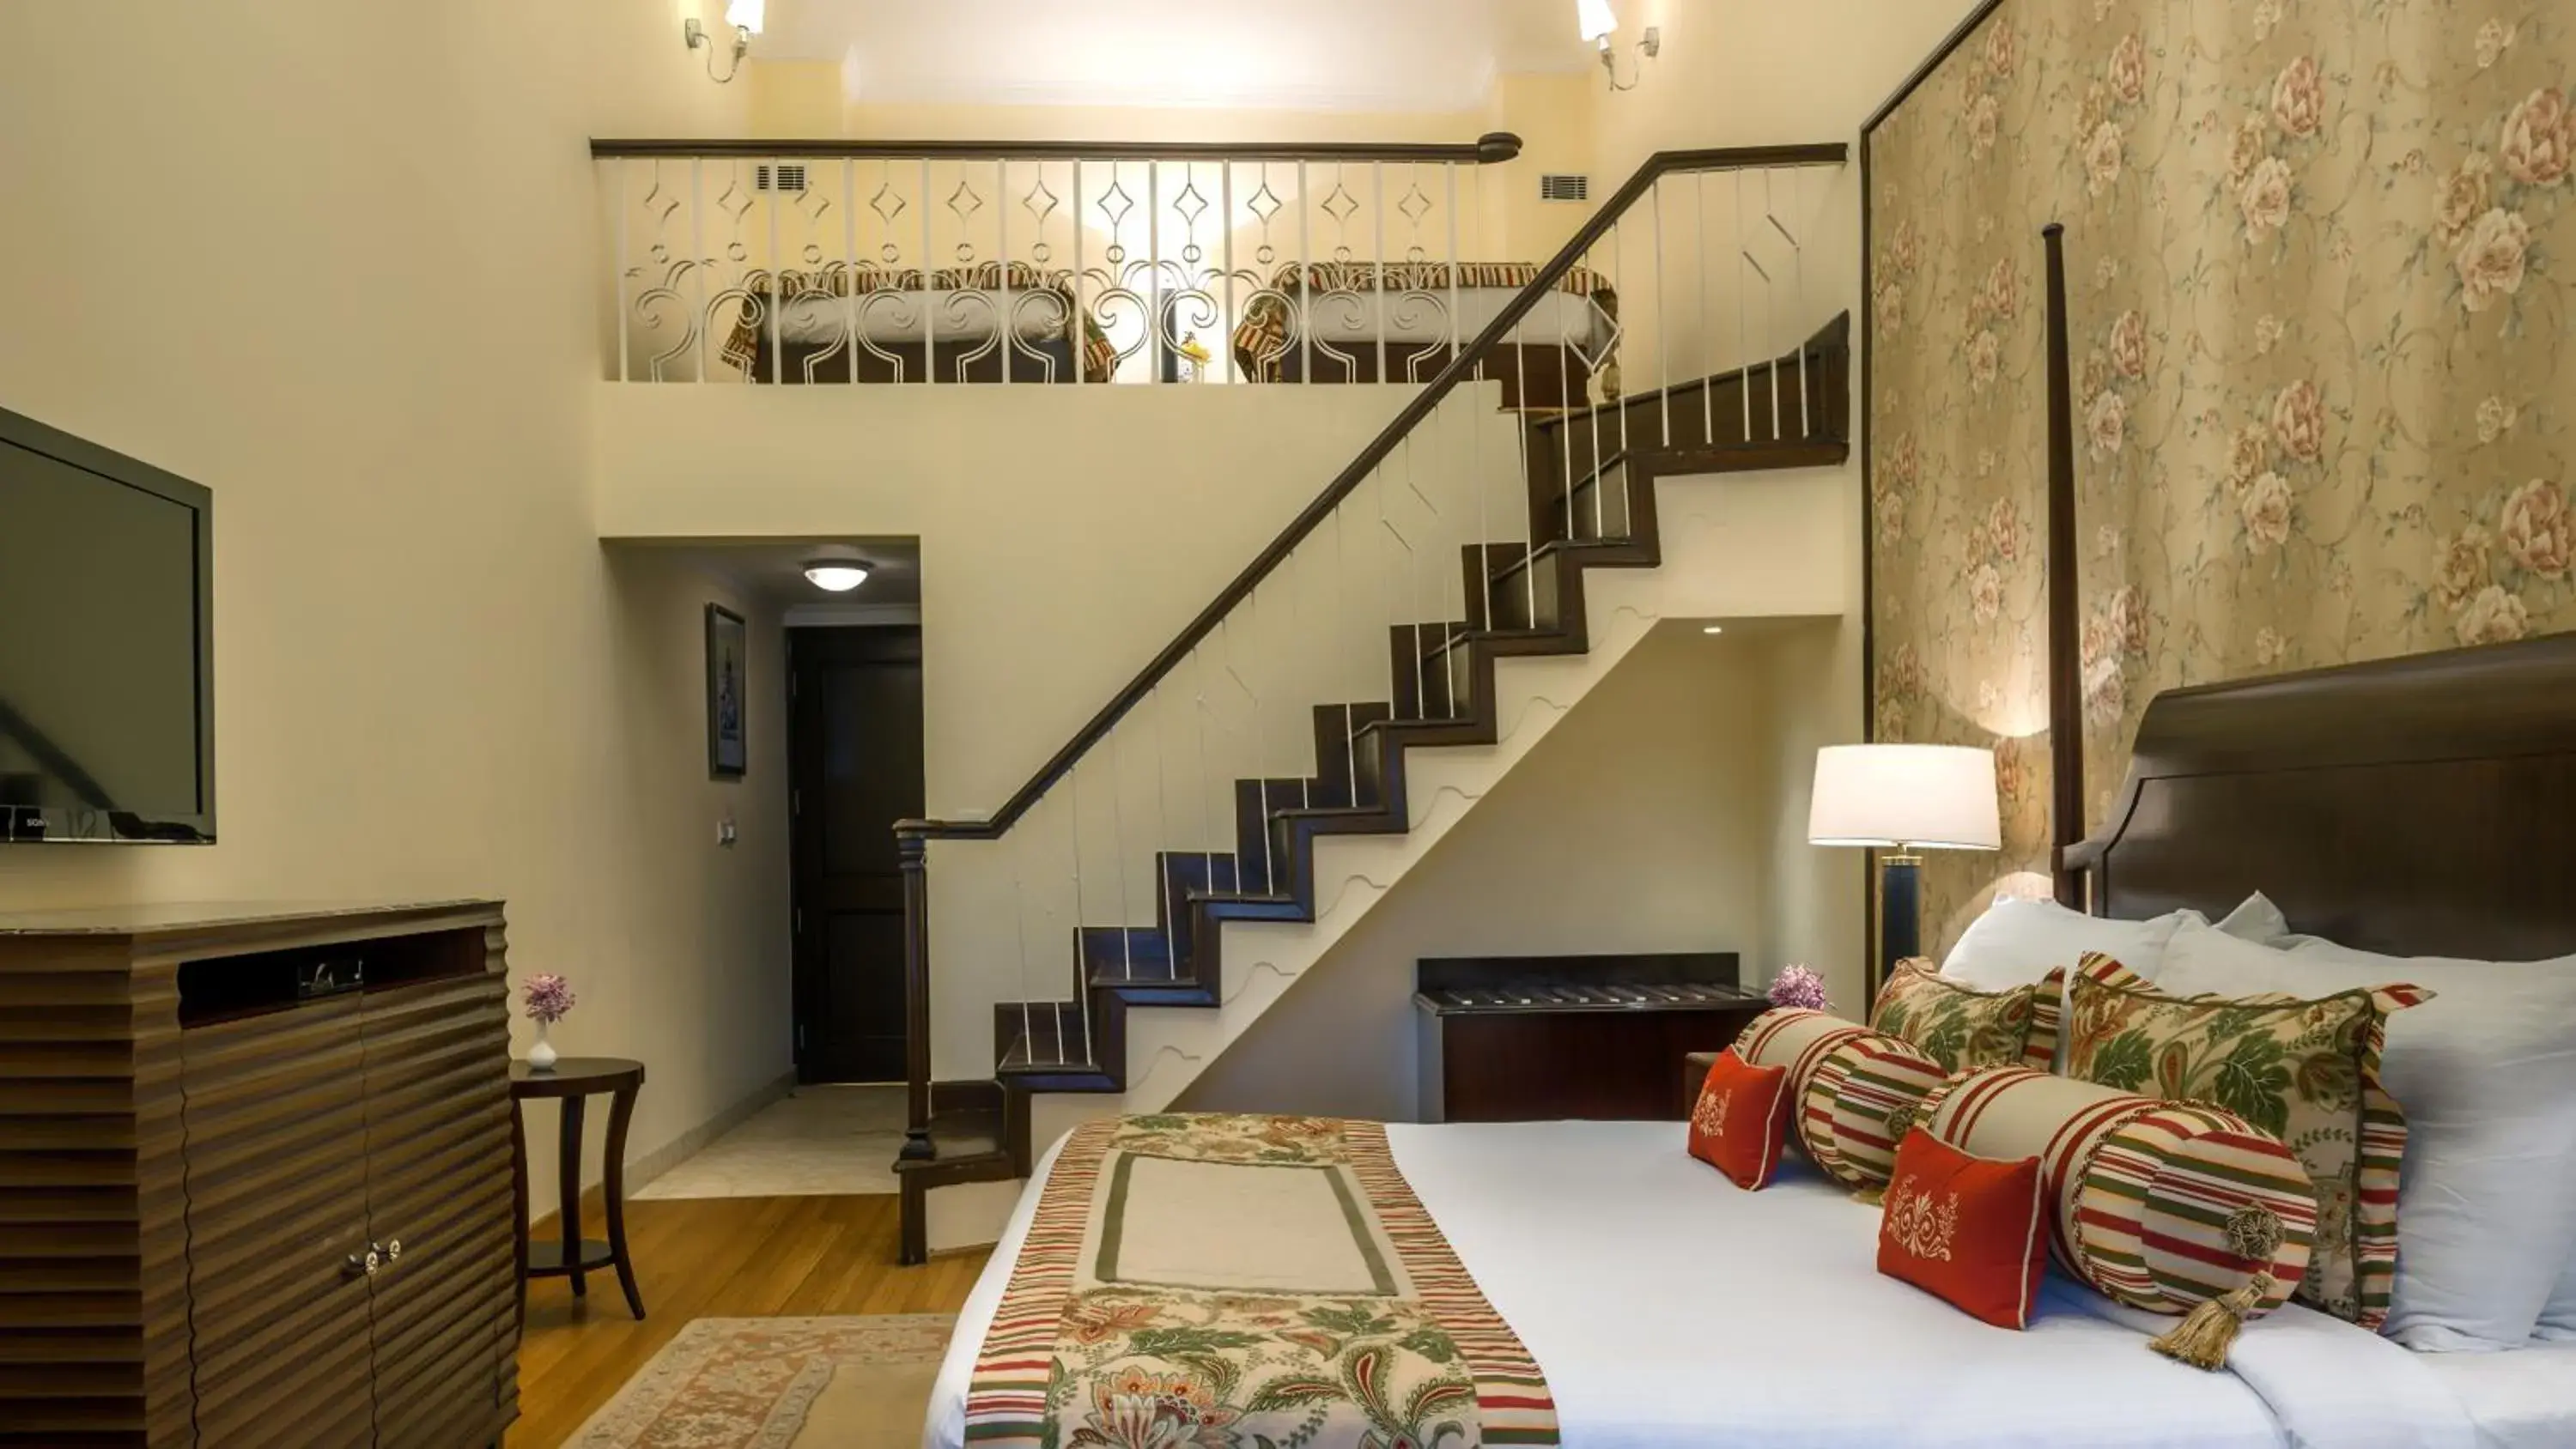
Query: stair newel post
912,851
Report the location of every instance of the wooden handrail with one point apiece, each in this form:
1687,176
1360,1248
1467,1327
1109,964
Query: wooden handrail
1485,150
1461,366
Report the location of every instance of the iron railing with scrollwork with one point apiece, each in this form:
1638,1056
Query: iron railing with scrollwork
945,262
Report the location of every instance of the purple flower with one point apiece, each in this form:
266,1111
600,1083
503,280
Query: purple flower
549,997
1798,986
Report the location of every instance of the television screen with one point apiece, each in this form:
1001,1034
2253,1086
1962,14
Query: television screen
105,697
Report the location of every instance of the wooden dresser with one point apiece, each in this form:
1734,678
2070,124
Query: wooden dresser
255,1181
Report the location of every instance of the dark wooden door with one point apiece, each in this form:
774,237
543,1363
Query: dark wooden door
854,738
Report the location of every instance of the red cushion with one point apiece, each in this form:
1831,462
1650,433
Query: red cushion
1969,1229
1741,1119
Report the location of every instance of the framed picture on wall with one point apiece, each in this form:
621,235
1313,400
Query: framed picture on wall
728,678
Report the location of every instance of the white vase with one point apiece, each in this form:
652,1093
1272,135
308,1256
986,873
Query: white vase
541,1057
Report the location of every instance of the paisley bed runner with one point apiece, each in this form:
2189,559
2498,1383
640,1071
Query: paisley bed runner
1219,1280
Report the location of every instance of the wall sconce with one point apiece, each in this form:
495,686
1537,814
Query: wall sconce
745,18
1597,21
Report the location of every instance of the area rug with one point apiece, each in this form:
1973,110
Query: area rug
780,1383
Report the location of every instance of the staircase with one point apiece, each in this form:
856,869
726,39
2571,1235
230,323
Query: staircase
1531,601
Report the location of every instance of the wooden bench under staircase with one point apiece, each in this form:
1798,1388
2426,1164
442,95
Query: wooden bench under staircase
1588,480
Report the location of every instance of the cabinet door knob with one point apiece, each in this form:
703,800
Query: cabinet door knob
363,1267
393,1250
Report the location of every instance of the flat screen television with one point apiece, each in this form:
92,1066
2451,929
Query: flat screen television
107,726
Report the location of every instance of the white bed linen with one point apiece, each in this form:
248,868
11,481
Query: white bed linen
1559,319
2524,1399
969,314
1671,1310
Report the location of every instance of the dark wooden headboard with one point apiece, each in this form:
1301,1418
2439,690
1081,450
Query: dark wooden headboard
2424,805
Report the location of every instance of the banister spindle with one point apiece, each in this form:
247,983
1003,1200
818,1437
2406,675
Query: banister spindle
849,287
1118,827
1020,934
1377,258
929,268
1663,336
1771,311
698,257
1301,293
1745,349
777,268
1081,953
1073,286
1707,325
1010,325
617,168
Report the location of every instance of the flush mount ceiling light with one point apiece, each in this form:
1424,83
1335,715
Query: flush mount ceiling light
1597,22
745,17
836,575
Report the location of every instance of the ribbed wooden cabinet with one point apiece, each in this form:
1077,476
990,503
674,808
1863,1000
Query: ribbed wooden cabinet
255,1181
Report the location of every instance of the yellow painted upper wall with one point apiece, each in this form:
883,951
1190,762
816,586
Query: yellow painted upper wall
1553,114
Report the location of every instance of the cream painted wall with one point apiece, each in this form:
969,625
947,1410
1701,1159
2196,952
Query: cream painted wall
1647,821
1066,533
317,257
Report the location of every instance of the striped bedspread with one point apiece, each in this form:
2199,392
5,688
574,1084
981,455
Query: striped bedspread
1199,1279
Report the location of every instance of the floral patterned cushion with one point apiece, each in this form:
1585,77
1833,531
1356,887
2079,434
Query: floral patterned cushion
1963,1028
2305,1071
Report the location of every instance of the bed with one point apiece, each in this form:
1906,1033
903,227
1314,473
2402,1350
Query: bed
886,324
1669,1315
1359,322
1669,1310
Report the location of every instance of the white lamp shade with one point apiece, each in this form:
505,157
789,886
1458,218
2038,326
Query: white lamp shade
744,14
1595,18
1933,797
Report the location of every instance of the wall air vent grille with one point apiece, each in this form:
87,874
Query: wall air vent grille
785,176
1560,186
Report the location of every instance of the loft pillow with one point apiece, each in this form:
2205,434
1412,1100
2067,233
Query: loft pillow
2486,1072
2017,942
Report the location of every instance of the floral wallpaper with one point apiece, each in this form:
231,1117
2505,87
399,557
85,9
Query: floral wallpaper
2319,262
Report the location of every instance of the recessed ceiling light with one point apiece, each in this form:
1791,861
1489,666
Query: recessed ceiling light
836,575
1712,628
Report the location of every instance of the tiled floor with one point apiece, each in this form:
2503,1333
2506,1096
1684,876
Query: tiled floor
826,1141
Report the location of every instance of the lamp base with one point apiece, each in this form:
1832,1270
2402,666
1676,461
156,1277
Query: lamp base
1900,910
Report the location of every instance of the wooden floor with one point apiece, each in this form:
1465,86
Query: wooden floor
743,1257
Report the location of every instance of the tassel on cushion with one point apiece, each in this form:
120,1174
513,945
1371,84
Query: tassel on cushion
2210,1328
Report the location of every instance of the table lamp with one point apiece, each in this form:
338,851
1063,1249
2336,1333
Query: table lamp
1904,798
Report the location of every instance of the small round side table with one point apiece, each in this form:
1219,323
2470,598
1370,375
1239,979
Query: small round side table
573,1080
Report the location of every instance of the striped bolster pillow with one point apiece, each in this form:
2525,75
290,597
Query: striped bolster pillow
1855,1090
2163,1206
